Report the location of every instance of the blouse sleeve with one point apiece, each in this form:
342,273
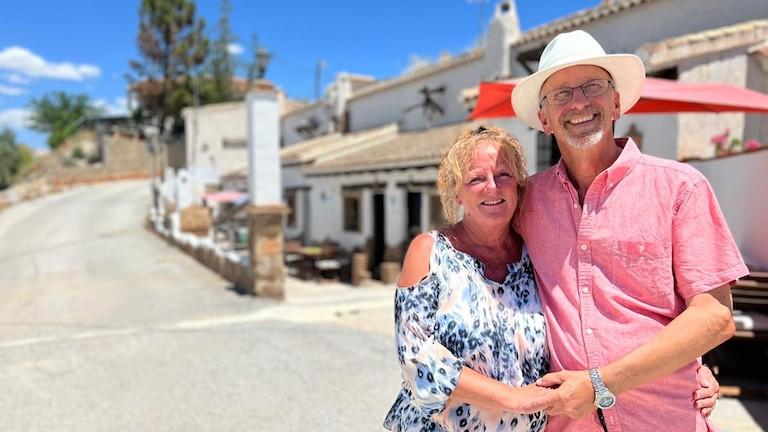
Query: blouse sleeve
429,369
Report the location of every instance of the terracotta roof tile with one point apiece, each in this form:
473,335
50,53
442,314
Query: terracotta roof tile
407,149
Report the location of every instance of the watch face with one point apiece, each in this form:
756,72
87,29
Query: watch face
606,401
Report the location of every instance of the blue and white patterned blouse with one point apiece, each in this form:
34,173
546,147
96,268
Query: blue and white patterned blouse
456,316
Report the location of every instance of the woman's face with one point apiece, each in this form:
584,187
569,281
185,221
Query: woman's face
488,191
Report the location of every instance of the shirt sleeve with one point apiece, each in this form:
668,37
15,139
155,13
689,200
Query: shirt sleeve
430,371
704,253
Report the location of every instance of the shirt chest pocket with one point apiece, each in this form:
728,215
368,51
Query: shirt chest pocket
641,269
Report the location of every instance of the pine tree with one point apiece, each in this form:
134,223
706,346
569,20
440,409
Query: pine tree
172,45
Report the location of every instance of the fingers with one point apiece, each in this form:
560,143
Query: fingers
705,376
706,412
542,403
551,380
707,402
704,393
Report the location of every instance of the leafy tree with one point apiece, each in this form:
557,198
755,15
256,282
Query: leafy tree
10,158
27,158
172,45
221,66
60,114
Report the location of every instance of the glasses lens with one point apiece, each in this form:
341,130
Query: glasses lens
560,96
595,87
564,95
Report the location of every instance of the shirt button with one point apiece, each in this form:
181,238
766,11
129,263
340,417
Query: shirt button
584,246
575,205
585,290
589,332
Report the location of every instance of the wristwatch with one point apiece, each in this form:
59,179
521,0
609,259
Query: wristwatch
604,399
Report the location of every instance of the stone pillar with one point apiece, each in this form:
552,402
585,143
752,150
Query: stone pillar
360,273
389,272
265,214
265,244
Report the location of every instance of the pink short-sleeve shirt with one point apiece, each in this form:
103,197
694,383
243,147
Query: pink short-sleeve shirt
613,272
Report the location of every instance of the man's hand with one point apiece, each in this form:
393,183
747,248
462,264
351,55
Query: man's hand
705,397
573,397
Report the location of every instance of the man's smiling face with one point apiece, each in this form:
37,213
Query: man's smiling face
583,121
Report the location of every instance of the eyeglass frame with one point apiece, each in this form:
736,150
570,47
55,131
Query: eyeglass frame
608,81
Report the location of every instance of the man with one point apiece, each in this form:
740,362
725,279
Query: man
633,257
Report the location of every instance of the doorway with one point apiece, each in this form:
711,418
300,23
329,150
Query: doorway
378,243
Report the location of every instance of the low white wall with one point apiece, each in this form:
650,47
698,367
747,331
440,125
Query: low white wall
739,184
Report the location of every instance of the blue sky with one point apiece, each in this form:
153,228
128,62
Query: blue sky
83,46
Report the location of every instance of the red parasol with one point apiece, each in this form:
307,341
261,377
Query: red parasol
659,96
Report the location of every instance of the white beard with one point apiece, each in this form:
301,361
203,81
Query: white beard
585,142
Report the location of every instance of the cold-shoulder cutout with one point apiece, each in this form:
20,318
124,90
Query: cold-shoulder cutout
417,260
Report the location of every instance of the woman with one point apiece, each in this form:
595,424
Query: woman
471,337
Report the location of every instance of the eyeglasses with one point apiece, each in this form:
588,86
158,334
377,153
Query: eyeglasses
563,95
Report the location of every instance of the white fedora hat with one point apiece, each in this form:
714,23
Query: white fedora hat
571,49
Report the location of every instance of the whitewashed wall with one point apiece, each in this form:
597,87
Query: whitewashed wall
739,183
320,111
660,132
388,106
206,128
662,19
326,203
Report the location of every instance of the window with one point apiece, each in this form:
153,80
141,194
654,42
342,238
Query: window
233,143
290,201
351,210
436,219
668,73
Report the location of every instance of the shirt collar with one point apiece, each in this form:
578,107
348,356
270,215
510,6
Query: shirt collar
627,159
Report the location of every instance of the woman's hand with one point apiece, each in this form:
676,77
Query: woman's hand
530,399
705,397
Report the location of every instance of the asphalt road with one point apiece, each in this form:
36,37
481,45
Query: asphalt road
104,327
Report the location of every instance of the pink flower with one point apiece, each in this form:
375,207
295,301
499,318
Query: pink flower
721,139
752,144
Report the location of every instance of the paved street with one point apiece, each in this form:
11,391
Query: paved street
104,327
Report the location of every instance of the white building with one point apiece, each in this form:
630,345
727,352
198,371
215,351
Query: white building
369,185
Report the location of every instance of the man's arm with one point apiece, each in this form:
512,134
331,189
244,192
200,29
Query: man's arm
706,323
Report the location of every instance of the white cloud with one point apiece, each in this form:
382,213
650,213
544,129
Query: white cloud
15,118
118,106
22,61
416,62
235,49
11,91
15,78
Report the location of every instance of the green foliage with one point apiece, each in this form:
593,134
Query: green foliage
221,65
60,114
10,158
27,158
78,153
172,45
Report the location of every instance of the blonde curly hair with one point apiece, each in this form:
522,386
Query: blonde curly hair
457,159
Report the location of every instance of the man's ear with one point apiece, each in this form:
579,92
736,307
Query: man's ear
544,122
616,106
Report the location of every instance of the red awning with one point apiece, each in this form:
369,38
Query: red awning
659,96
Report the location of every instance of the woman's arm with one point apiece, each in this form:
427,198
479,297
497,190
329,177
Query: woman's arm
477,389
